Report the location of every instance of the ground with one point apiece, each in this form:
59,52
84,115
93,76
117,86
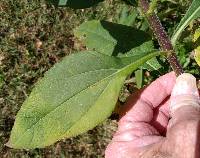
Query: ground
34,35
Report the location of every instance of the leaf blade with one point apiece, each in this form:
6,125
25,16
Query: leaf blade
54,101
116,40
139,78
113,39
192,14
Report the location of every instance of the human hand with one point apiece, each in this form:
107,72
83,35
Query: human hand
145,128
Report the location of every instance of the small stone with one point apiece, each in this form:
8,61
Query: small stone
1,58
38,44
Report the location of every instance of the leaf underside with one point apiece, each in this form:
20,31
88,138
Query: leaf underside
74,96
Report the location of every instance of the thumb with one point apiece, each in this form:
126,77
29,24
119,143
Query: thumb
185,102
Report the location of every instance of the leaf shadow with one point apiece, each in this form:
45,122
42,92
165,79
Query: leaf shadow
127,37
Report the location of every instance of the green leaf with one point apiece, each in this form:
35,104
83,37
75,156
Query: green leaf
196,41
192,14
62,2
1,79
139,78
127,16
73,97
197,56
152,64
116,39
197,36
113,39
77,4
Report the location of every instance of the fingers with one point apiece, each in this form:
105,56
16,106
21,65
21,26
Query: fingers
161,117
135,130
139,106
158,90
185,101
184,125
139,110
128,149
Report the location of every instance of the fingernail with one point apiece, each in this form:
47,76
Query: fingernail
185,84
185,92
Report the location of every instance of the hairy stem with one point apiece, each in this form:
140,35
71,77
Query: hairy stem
161,36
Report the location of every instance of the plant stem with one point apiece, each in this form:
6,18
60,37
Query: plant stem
162,37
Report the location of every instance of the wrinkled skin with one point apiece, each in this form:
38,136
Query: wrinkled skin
145,129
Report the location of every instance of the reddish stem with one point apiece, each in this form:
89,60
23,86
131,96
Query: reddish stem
162,37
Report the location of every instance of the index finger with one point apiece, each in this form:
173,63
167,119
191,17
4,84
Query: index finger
150,97
134,130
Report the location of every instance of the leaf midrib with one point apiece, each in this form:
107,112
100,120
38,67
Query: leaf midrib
86,88
88,109
119,70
